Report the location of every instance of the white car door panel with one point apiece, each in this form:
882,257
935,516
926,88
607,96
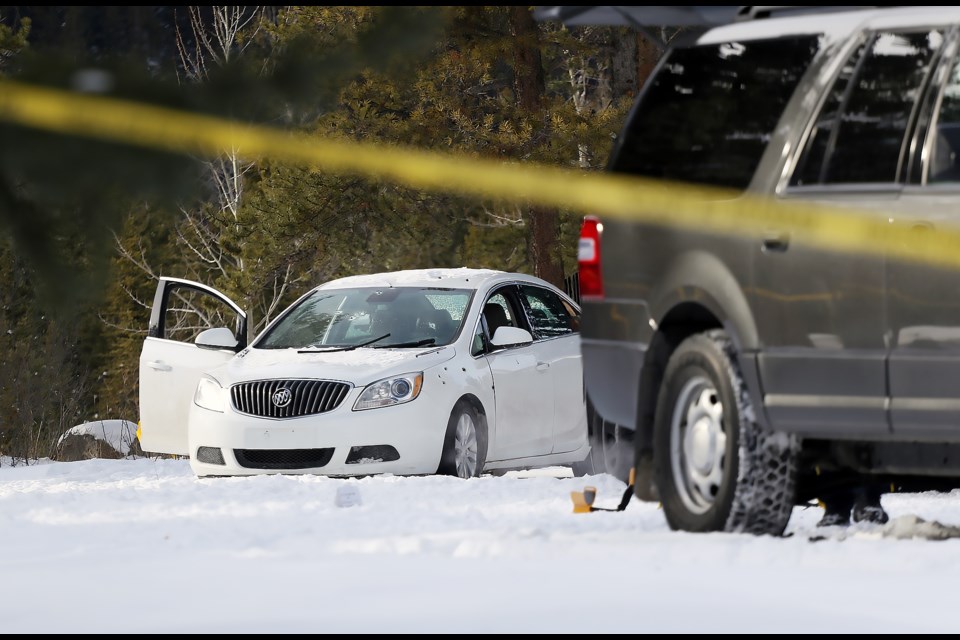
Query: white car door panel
169,372
171,363
556,324
523,426
570,416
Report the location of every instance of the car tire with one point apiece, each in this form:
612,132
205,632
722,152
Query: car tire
611,448
716,469
465,443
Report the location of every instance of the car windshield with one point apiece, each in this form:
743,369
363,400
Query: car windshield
330,319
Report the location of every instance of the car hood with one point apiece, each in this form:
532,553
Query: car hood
360,366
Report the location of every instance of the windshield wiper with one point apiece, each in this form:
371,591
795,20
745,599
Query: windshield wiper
349,347
426,342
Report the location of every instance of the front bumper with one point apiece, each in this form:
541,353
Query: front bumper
250,445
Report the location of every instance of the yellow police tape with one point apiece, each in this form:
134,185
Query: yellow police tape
606,195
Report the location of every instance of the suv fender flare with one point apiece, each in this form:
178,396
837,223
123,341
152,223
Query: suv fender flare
701,278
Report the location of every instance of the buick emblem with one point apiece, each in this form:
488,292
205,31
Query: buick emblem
281,397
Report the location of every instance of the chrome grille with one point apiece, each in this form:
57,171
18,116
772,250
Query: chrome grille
306,397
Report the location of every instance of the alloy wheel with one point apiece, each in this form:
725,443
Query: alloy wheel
465,446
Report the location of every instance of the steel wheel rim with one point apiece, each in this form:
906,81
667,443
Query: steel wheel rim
698,444
465,446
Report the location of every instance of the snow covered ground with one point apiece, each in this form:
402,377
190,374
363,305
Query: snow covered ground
142,546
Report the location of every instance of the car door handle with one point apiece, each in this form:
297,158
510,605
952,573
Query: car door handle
543,366
776,241
159,365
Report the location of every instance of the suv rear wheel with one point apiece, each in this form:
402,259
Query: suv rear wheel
716,468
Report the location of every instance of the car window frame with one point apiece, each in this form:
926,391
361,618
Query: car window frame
158,322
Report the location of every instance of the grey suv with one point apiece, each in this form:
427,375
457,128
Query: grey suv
757,372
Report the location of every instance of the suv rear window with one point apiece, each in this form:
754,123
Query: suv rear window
707,115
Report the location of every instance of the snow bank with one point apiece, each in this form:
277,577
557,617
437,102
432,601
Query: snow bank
119,434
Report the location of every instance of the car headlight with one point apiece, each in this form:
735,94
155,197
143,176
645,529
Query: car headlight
390,391
210,395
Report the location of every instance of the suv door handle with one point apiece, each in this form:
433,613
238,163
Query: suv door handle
159,365
543,366
776,241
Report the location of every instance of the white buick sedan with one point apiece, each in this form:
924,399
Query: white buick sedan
451,371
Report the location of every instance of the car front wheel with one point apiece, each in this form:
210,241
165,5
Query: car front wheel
465,443
716,468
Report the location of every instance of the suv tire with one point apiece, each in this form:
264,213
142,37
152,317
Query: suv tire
716,469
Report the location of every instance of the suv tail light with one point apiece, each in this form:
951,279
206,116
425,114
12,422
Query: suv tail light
588,256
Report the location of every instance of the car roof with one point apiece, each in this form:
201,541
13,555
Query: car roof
459,278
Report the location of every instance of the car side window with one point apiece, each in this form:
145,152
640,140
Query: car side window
860,134
503,309
574,315
549,314
190,311
498,312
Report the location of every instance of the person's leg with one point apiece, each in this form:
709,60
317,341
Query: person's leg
837,504
867,507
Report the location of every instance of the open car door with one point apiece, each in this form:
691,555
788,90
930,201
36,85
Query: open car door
193,329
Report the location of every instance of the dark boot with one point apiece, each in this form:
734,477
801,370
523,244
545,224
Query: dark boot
834,518
836,508
867,507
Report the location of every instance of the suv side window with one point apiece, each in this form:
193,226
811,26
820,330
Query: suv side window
944,160
707,115
549,315
860,134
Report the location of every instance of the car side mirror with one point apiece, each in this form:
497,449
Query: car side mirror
510,336
219,338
